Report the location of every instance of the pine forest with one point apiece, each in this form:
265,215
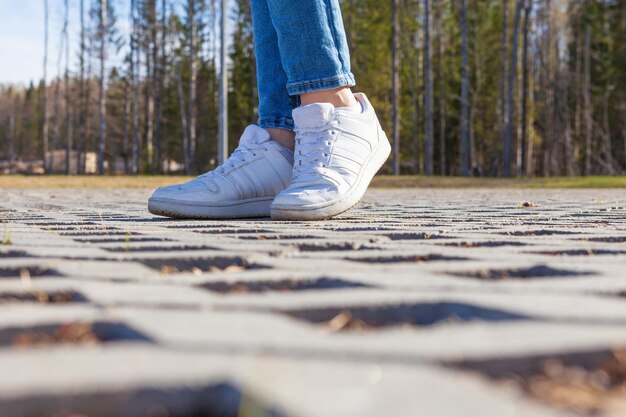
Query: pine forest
462,87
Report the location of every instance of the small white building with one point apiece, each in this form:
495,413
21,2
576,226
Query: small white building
57,161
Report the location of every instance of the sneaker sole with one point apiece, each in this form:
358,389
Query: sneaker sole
242,209
333,208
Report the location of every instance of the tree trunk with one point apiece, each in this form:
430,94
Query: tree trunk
550,121
222,143
102,93
415,124
606,134
624,131
567,121
66,88
442,90
508,121
464,92
82,103
56,110
473,106
183,119
530,166
70,134
160,87
88,101
127,121
428,94
151,71
608,90
504,68
395,85
11,135
564,108
577,88
253,75
44,99
587,99
523,168
134,89
193,73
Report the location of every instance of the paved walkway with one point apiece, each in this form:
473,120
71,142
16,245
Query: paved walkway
417,302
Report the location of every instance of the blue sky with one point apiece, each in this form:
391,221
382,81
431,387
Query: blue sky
22,37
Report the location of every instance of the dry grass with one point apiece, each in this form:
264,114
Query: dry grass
88,181
387,181
383,181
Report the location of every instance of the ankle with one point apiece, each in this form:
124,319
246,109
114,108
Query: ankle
338,97
285,137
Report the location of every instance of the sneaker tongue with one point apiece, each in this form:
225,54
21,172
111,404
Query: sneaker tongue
254,134
313,115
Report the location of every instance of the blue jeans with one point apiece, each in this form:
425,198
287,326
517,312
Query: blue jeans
300,47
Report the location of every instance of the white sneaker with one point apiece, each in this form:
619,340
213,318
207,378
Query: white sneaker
244,186
337,154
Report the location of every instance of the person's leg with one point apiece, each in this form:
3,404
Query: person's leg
261,166
275,104
313,50
339,142
338,97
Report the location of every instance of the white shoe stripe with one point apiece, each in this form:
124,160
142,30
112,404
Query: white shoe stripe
347,151
253,188
238,186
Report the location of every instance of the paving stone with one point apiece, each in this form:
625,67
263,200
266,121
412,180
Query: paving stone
416,302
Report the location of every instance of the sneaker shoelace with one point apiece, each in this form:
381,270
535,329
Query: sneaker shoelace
313,147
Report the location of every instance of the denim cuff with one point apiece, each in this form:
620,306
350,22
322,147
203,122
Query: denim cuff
276,122
340,80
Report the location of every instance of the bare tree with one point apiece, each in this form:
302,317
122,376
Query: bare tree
523,168
548,88
475,93
56,108
44,99
87,140
606,132
127,121
563,81
192,6
151,71
508,121
11,132
102,36
82,105
504,67
464,92
395,85
66,88
587,98
183,119
623,111
578,83
134,88
608,90
428,94
222,144
161,59
442,89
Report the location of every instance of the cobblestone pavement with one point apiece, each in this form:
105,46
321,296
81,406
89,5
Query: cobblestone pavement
417,302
